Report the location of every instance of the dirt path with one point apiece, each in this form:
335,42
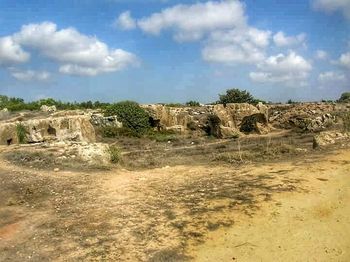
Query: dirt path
295,210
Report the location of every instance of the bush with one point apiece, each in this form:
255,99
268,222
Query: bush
131,115
112,132
114,154
345,97
193,103
237,96
21,133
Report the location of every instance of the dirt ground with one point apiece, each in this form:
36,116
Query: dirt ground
295,209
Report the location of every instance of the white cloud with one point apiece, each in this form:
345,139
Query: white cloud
125,21
192,22
236,46
76,53
331,76
331,6
321,55
344,60
11,52
79,54
31,75
281,40
290,70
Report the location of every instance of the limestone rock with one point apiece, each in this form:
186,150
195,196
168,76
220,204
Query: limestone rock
99,120
48,109
70,128
328,138
94,153
255,123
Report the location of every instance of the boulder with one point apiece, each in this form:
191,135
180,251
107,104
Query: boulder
328,138
94,153
99,120
48,109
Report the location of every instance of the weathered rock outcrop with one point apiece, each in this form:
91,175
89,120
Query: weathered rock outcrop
70,128
187,119
232,115
99,120
329,138
255,123
306,116
48,109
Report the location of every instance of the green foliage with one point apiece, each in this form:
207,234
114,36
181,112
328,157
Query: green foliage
18,104
162,136
21,133
174,105
236,96
345,97
131,115
115,154
290,101
192,103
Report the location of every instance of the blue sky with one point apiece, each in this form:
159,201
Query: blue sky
174,51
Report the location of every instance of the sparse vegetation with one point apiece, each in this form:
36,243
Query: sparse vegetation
115,154
21,133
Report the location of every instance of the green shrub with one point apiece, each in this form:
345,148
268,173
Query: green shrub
193,103
21,133
115,154
131,115
112,132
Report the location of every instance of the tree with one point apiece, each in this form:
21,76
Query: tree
236,96
345,97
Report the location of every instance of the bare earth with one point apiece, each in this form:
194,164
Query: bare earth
293,210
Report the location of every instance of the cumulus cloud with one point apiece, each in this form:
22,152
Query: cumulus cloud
31,75
281,40
321,55
236,46
125,21
291,70
11,52
331,6
344,60
78,54
331,76
192,22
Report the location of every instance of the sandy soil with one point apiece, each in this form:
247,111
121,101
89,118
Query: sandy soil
293,210
311,226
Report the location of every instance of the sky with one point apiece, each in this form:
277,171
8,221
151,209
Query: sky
174,51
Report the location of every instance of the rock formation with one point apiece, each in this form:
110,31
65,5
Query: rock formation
71,128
